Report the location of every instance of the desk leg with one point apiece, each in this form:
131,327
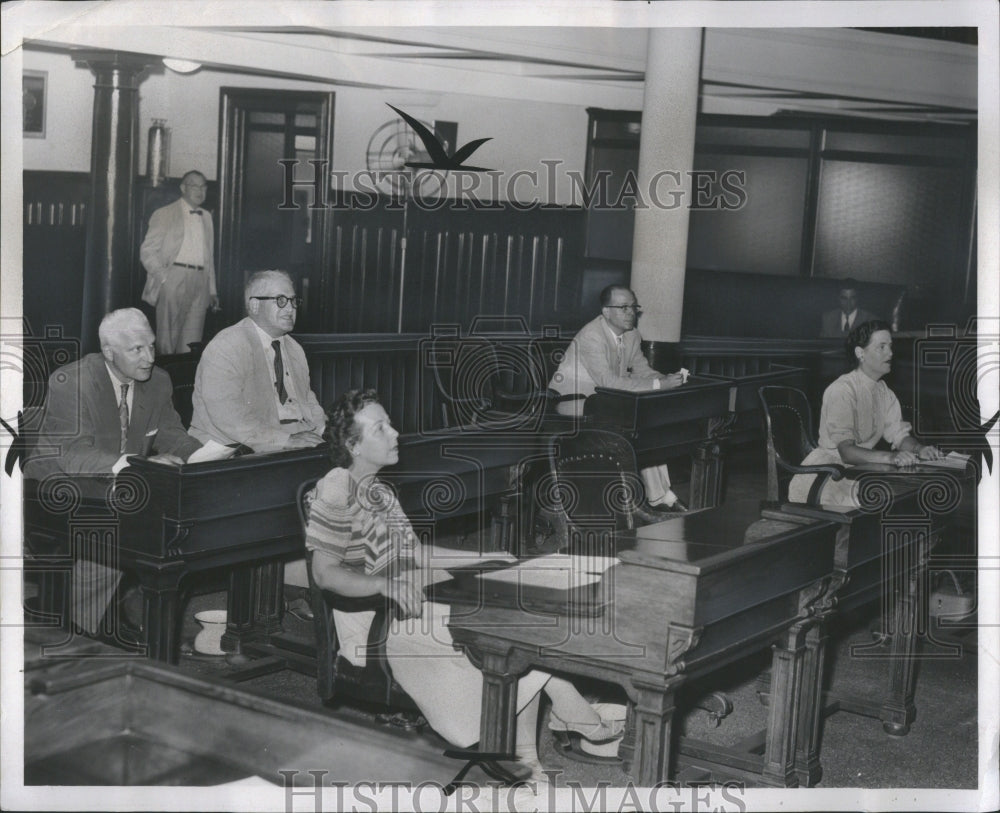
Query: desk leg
239,611
161,606
706,476
653,718
269,584
498,719
786,680
807,765
899,711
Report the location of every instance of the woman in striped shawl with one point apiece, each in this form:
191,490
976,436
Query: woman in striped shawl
363,545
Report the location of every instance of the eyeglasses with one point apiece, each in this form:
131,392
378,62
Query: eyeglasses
281,300
634,308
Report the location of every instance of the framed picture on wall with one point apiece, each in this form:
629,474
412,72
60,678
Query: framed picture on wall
33,98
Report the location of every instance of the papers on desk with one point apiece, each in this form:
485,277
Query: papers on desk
557,585
436,556
559,571
952,460
211,450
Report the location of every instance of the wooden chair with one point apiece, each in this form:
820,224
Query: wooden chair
592,491
788,424
335,674
373,683
495,384
181,368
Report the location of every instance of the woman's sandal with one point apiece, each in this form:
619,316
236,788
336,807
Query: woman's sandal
598,733
568,738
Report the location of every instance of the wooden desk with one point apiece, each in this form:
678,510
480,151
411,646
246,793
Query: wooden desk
882,554
689,595
690,419
167,522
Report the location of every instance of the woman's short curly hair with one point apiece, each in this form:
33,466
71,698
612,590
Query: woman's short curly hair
341,430
860,335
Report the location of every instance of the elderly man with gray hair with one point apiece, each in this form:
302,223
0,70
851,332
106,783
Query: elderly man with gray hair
252,384
99,411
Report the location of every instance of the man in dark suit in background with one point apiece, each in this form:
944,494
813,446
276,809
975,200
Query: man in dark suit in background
840,321
99,410
177,254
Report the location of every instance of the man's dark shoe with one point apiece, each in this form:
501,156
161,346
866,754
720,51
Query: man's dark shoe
676,508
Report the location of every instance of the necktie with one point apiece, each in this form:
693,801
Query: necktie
847,325
196,212
123,418
619,354
279,372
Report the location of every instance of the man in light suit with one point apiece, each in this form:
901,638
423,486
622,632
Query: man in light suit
99,411
252,384
841,321
607,353
177,254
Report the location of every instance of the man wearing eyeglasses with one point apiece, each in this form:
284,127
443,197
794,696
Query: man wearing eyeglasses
177,254
607,353
252,384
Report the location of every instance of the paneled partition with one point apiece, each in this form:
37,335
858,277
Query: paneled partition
459,262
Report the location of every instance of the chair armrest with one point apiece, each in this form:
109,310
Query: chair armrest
834,471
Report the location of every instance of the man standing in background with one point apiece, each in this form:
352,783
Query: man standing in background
177,254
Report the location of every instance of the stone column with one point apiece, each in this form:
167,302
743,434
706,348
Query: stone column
114,153
666,156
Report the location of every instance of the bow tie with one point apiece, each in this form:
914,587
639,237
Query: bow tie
196,212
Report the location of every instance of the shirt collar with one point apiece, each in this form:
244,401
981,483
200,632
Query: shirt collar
863,379
265,338
615,337
116,382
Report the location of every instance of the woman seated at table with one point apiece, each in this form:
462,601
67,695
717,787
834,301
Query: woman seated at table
363,545
859,410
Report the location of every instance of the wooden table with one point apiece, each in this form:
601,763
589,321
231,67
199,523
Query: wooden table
689,595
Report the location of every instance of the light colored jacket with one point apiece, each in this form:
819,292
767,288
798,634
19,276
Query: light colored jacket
162,243
591,361
234,400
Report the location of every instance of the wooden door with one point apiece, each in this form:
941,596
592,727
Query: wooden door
258,229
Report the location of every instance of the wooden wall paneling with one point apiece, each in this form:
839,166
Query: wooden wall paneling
458,265
55,235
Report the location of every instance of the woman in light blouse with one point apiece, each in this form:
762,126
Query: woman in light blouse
859,410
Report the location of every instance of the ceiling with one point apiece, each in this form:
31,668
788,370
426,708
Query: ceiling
840,71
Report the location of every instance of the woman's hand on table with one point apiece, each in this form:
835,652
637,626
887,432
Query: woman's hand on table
407,591
930,453
669,382
903,459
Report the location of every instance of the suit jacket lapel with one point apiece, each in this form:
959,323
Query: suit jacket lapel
262,370
106,403
138,419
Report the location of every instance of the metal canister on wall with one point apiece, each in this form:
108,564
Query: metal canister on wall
156,154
